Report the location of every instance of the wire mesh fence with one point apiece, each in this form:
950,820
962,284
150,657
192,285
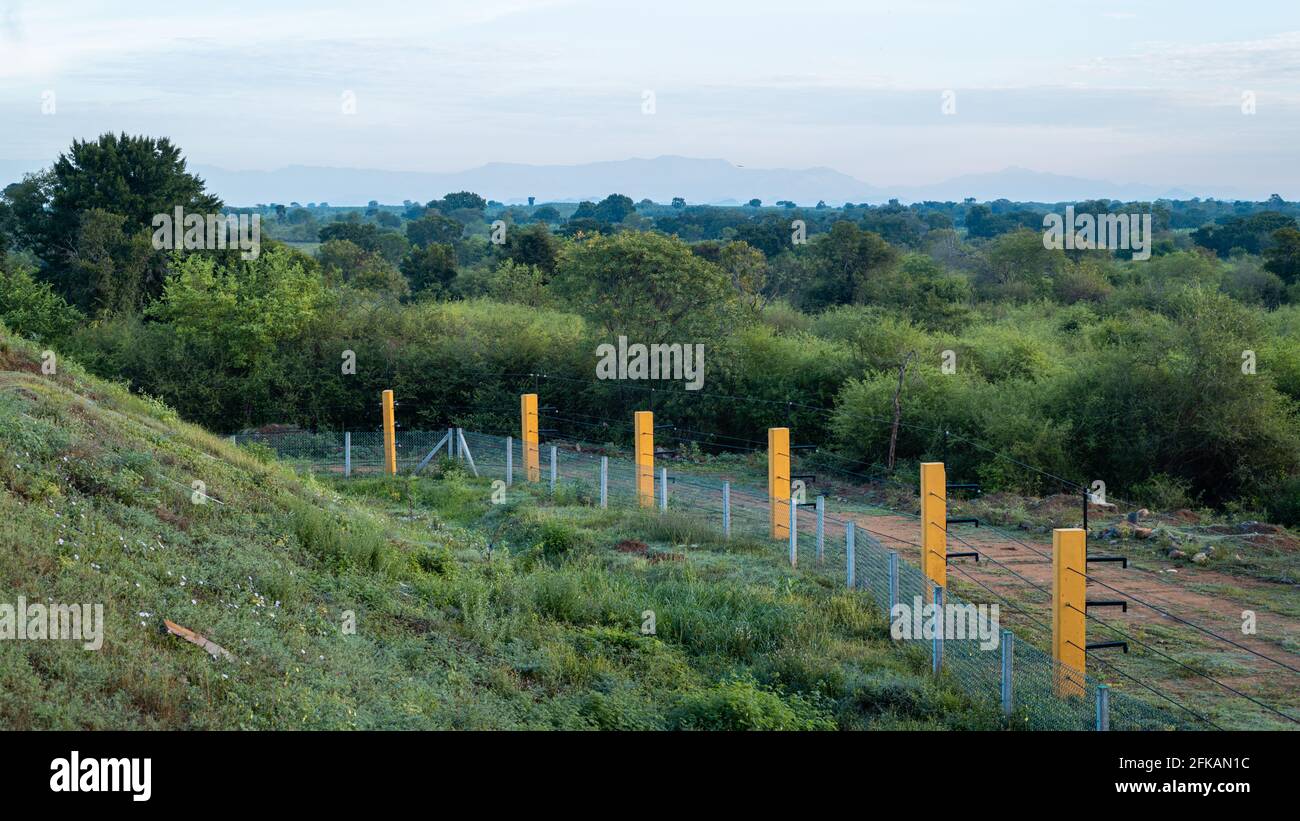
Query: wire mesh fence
1026,683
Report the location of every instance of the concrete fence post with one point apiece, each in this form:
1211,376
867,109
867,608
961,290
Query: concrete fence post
663,489
821,527
850,568
347,453
510,458
604,481
1103,707
936,653
893,581
554,466
794,533
1008,654
726,510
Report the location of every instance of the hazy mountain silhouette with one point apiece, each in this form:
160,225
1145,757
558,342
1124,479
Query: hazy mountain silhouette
710,181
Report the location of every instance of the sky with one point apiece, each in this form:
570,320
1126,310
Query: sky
1198,96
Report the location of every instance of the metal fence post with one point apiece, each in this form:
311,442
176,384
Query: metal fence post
1008,653
893,581
794,533
663,489
510,457
554,468
604,481
936,653
1103,707
848,549
347,453
821,527
726,510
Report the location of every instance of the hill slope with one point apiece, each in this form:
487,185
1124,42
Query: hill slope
466,615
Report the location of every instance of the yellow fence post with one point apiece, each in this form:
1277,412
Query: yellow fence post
644,430
934,523
528,436
778,480
390,436
1069,605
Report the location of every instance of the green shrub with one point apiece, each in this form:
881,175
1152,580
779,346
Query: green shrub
741,704
340,544
1163,493
560,538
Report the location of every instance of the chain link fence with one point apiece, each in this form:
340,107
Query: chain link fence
1026,683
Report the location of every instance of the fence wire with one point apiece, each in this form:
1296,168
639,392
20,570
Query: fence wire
1043,695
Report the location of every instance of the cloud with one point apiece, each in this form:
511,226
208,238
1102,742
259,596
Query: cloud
1275,58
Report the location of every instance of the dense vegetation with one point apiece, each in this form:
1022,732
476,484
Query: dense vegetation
463,615
1085,364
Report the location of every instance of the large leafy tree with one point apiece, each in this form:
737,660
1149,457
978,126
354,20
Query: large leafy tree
1250,234
534,245
459,200
846,257
1283,256
433,227
612,210
134,178
647,286
430,268
109,267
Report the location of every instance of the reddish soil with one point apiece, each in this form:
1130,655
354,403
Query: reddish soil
1013,566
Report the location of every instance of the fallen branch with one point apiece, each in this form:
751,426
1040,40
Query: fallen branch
214,649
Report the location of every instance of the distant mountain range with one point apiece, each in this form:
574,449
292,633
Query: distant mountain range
660,179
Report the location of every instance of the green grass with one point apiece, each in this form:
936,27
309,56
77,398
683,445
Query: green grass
467,615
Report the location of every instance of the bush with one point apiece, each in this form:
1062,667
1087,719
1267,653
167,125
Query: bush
340,544
30,308
560,538
741,704
1163,493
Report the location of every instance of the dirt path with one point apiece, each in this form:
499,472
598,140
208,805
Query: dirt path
1019,568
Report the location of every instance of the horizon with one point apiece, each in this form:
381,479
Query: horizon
1013,183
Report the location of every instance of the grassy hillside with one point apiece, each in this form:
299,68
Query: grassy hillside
468,615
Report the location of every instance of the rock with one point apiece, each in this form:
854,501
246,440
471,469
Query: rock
1109,533
1200,558
1143,532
